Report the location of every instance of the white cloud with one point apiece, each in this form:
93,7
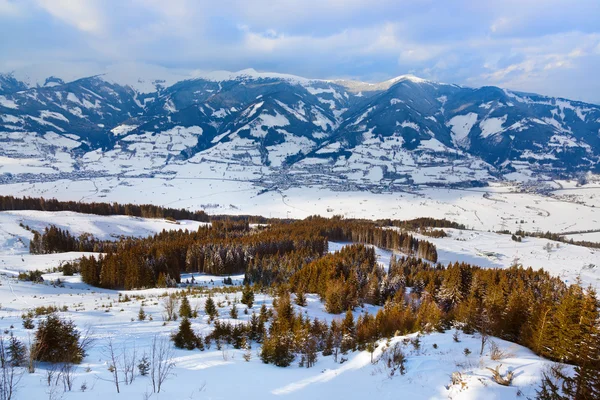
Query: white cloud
501,42
85,15
9,8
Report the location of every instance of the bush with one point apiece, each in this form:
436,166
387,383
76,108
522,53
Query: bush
57,340
31,276
185,338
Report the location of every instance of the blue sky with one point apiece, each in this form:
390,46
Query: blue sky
549,47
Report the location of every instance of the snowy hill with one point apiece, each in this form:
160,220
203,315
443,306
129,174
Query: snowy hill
285,131
438,367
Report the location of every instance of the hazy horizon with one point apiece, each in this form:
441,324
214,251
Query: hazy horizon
550,47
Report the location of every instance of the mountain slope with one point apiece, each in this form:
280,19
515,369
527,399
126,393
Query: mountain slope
284,130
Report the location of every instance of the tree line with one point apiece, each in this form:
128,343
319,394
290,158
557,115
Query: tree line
11,203
557,321
267,255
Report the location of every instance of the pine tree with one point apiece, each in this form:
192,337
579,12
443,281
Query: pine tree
141,314
17,352
233,313
185,311
211,309
144,366
349,333
57,340
300,298
185,338
586,382
247,296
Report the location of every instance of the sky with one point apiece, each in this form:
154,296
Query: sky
544,46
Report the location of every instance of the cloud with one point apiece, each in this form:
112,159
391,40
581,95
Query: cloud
85,15
515,43
9,8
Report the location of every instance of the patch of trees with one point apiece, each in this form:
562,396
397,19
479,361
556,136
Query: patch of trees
222,249
558,238
56,240
420,223
11,203
522,305
267,256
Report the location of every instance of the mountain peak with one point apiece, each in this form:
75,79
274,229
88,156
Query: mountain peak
406,77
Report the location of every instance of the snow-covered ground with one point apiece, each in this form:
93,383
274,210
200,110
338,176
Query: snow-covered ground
488,249
221,374
492,208
14,239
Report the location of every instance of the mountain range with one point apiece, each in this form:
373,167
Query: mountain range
281,130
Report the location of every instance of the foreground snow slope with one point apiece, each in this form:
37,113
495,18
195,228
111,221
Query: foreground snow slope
223,374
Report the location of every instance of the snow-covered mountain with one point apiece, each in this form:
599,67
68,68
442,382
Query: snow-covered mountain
282,130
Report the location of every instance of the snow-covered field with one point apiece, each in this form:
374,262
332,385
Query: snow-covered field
492,208
222,374
14,239
488,249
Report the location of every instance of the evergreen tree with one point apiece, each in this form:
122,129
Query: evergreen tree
233,313
144,365
586,382
17,352
185,338
349,333
247,296
141,314
185,310
210,308
300,298
57,340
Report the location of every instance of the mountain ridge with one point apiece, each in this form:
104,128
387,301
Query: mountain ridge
262,126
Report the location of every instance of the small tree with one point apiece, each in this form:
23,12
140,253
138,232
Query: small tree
211,309
247,296
113,367
185,338
28,322
301,298
141,314
57,340
185,310
233,313
9,373
17,352
144,365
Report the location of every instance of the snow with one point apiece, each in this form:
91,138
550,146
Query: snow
408,124
123,129
492,126
208,374
4,102
461,125
54,115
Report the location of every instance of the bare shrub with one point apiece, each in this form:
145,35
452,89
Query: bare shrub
129,364
113,357
67,376
394,359
496,353
10,373
505,380
161,362
170,305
